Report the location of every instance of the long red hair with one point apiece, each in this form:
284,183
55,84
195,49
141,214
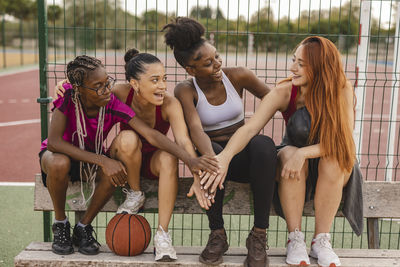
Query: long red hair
325,101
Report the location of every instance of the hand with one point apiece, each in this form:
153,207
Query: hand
201,195
292,167
59,90
205,162
211,182
115,171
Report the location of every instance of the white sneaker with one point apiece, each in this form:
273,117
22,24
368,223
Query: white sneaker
296,251
321,249
133,203
163,249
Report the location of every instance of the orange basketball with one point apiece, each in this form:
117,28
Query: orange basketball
128,234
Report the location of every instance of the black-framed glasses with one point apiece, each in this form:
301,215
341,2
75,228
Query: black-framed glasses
102,89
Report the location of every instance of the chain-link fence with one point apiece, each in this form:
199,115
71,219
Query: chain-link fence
260,35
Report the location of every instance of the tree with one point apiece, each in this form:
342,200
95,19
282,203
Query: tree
53,13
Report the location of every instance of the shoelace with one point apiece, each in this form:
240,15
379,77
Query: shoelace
325,242
261,242
297,240
214,239
62,235
87,231
130,194
165,238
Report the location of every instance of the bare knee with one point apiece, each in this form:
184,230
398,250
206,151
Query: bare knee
127,143
168,163
330,172
58,166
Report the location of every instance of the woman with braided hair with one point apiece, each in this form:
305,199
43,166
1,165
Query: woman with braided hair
81,120
213,109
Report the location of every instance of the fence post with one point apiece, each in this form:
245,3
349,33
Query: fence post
361,72
394,97
3,38
43,100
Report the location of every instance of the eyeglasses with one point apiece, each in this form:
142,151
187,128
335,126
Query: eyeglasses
102,89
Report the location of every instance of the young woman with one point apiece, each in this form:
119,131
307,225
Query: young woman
213,110
81,120
317,103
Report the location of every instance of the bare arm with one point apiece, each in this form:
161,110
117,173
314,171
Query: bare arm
175,117
159,140
113,169
201,140
276,100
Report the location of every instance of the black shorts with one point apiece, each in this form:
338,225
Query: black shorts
74,174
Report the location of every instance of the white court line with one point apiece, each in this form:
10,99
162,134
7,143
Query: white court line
17,184
13,123
12,101
25,100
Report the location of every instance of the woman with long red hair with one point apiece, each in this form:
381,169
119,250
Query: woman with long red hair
317,156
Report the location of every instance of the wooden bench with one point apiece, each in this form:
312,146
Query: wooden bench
381,200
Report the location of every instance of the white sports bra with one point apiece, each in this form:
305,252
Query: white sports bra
217,117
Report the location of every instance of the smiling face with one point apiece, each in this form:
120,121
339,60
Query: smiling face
205,63
96,79
152,83
298,68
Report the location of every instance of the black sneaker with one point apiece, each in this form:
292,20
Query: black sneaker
83,238
62,244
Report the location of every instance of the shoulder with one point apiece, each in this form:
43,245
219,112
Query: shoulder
170,107
349,91
121,91
185,88
238,73
284,87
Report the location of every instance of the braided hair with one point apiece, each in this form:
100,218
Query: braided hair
135,61
184,36
78,71
79,68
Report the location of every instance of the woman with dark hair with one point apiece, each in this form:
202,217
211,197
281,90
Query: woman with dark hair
146,96
213,109
318,155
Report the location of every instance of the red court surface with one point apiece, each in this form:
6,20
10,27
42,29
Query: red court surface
19,143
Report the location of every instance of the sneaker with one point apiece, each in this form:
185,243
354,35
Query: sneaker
82,237
133,203
216,246
296,250
321,249
256,244
62,244
163,249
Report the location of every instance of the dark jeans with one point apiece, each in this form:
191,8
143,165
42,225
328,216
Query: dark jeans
255,164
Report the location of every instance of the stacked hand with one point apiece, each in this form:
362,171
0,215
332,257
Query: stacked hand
206,182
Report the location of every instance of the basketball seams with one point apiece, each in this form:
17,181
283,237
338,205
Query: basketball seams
124,228
129,232
144,232
115,226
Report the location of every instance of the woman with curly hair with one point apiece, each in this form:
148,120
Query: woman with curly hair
317,158
213,109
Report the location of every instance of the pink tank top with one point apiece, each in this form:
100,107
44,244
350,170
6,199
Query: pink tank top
161,125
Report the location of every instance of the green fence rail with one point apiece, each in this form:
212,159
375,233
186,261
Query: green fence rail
260,35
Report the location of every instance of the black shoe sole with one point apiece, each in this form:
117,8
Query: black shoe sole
62,252
218,262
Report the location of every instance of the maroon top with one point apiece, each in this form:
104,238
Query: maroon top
161,125
292,105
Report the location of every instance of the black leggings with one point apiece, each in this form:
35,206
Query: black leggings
255,164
